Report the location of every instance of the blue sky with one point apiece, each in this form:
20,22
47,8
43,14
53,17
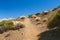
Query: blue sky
15,8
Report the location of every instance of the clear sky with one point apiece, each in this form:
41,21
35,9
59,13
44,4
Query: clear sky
15,8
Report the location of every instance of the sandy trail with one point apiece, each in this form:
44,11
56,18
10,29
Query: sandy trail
31,31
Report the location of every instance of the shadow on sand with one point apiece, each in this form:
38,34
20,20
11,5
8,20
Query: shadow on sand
50,35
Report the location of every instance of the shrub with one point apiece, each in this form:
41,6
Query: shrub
56,8
54,20
37,14
22,18
7,24
30,16
18,26
1,29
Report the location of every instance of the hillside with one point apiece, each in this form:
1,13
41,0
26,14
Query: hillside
32,27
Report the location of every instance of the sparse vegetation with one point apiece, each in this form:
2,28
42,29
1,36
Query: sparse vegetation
18,26
54,20
56,8
22,18
37,14
6,25
30,16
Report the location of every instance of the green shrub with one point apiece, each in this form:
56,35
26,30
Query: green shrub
7,24
54,20
1,23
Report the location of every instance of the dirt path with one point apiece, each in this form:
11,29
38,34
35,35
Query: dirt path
31,31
